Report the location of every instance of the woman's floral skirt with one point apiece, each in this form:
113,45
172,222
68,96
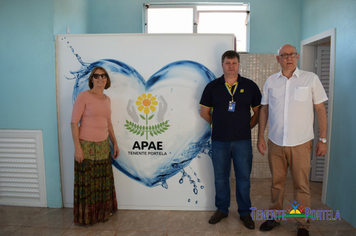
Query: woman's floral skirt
94,190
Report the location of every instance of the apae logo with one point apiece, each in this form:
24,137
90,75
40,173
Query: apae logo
146,103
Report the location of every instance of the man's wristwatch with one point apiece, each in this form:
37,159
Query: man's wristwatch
323,140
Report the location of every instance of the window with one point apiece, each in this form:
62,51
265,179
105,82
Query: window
219,18
170,20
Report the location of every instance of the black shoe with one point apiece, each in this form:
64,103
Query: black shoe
248,222
218,215
303,232
269,225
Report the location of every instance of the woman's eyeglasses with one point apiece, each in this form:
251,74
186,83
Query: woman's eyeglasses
97,76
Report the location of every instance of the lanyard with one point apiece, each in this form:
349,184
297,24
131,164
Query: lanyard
232,94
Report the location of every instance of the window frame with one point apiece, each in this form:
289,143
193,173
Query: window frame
196,13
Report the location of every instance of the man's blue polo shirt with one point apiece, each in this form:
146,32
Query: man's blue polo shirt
231,126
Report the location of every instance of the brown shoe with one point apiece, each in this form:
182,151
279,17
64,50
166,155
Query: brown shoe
269,225
303,232
218,215
248,222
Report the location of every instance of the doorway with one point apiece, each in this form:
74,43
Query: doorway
312,51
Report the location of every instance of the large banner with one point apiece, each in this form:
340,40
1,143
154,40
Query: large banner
156,85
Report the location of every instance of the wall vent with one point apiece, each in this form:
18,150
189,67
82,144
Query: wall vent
22,175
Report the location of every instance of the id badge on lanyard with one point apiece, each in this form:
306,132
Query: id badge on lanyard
232,106
232,103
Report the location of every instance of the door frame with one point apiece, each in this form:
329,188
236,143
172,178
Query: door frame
307,62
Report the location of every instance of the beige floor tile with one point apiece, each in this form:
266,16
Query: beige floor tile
11,215
315,233
233,204
42,221
338,233
337,225
145,221
255,232
195,233
140,233
292,233
51,218
190,221
76,232
13,220
282,233
7,230
260,186
19,210
315,197
316,187
30,231
260,202
316,204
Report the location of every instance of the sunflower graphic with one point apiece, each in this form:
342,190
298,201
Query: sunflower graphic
146,103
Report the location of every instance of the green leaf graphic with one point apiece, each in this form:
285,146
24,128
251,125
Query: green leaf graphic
153,130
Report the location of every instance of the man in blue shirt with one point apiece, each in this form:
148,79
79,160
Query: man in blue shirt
226,104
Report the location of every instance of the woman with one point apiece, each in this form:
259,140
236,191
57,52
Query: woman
94,191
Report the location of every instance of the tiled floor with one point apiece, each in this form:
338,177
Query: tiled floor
29,221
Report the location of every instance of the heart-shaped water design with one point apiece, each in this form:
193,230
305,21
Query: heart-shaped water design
177,88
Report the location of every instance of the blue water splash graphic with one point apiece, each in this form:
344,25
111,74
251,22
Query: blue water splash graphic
191,180
180,160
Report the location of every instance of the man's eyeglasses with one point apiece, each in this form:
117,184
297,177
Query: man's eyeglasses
285,55
97,76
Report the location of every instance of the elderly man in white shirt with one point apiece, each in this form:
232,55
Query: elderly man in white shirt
288,100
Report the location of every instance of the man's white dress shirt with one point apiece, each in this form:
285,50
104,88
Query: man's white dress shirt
290,106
